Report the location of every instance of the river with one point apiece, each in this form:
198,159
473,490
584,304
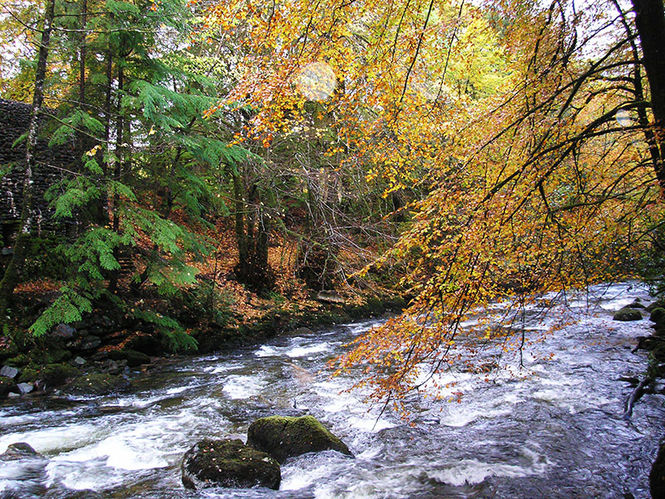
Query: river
553,428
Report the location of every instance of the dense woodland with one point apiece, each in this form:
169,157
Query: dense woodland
236,162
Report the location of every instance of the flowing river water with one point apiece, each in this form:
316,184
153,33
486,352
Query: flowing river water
553,428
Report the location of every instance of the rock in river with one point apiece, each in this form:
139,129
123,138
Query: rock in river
228,463
283,437
627,314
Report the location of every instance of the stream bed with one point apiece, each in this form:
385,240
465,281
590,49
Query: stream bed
553,428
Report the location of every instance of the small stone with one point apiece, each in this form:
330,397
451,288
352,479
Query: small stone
79,361
25,388
9,372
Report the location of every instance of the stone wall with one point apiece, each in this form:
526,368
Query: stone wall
50,162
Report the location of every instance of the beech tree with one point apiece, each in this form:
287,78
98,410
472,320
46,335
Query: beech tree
527,129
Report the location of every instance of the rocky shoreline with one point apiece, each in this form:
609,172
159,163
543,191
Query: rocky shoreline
99,355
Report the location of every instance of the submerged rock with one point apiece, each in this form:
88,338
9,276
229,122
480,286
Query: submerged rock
283,437
228,463
627,314
20,450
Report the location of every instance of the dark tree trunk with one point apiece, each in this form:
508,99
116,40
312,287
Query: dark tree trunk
252,229
15,266
650,23
82,56
117,173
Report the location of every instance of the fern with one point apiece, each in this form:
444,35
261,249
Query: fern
67,308
177,340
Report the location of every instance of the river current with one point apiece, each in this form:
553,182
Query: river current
552,428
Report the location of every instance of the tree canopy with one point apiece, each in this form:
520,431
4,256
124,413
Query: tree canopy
467,152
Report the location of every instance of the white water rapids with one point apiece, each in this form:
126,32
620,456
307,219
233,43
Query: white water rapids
551,429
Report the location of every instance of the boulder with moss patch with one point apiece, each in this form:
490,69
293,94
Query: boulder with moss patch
283,437
97,384
228,463
57,374
627,314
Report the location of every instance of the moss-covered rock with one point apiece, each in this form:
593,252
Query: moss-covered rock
228,463
28,374
656,304
57,356
6,385
97,384
283,437
627,314
56,374
658,315
19,361
133,358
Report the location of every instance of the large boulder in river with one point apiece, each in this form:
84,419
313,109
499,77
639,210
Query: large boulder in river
627,314
228,463
283,437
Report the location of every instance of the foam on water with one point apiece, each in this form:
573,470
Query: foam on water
303,351
48,440
472,471
243,387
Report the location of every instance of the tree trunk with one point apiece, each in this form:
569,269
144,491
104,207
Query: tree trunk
82,55
15,266
118,166
252,231
650,23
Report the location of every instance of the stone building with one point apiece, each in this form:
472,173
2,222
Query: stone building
52,164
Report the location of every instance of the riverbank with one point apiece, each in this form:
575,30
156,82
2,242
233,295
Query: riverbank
96,356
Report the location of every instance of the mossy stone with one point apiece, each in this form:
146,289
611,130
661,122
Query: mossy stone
97,384
283,437
57,356
19,361
627,314
56,374
228,463
28,374
6,385
658,315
